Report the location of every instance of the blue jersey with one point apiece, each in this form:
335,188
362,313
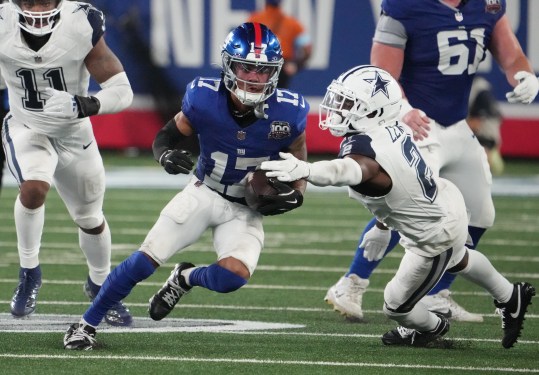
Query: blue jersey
227,150
444,48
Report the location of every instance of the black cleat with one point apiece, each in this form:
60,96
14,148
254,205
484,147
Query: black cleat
118,315
513,312
162,303
80,337
23,302
403,336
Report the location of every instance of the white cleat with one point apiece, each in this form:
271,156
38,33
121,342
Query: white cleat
346,296
443,304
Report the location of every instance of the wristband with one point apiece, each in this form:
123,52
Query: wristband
88,105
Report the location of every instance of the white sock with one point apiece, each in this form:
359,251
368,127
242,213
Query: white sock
186,273
481,272
97,249
29,224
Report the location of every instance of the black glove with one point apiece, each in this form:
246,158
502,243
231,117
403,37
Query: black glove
176,161
286,200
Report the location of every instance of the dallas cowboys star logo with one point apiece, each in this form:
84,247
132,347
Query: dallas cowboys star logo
380,85
84,7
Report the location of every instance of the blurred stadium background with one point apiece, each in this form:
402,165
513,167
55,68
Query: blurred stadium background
164,44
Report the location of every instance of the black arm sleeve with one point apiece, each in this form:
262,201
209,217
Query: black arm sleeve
166,139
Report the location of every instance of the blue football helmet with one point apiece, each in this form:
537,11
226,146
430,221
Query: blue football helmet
251,47
37,23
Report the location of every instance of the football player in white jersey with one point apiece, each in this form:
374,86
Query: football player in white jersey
384,170
48,51
433,48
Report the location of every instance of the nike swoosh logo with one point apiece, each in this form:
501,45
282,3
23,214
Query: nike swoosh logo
285,194
292,202
515,314
84,147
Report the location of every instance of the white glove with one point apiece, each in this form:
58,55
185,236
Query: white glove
526,90
288,169
60,104
375,243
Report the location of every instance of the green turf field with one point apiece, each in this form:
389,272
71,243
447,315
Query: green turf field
306,252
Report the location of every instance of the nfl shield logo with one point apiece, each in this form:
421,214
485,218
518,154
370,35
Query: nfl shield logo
241,135
492,6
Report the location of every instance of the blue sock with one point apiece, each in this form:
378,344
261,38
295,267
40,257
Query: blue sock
360,265
216,278
448,278
118,285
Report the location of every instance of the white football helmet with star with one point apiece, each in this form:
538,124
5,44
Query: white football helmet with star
361,98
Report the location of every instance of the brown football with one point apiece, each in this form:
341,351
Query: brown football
257,185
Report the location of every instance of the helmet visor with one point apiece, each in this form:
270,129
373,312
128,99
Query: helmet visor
251,81
335,109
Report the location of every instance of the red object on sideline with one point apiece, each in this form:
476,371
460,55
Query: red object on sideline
137,128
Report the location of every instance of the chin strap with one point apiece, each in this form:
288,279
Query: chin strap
259,110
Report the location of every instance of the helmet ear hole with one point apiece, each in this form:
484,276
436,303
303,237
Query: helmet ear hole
373,114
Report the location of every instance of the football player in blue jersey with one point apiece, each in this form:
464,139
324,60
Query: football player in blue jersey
433,48
49,49
241,120
384,171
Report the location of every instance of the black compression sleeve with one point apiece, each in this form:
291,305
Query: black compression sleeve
166,139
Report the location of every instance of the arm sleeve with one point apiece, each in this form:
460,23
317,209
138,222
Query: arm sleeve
166,139
391,32
115,95
337,172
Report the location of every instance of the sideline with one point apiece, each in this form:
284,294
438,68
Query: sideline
155,178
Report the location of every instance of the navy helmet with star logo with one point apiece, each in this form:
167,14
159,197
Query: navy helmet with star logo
361,98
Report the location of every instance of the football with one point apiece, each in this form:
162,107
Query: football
257,185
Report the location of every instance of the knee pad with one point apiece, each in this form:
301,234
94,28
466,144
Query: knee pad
89,222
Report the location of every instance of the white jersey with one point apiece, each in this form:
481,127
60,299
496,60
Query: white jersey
427,211
58,64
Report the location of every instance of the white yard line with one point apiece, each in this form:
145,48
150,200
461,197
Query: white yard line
86,356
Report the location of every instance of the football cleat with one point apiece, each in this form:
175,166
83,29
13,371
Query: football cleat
23,302
513,312
346,296
80,337
403,336
442,303
162,302
118,315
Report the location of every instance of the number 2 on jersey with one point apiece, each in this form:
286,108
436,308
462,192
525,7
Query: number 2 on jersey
423,172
